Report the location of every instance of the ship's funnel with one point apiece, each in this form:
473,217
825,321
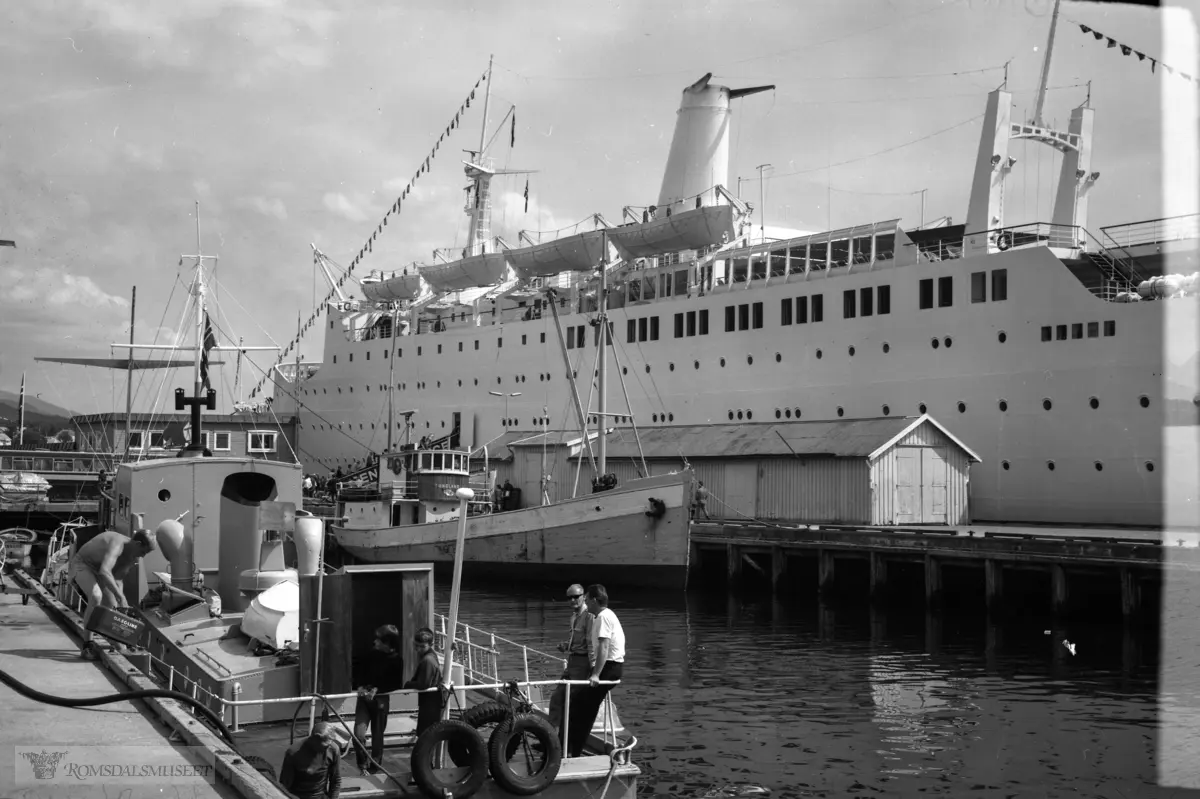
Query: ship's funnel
175,543
310,539
699,157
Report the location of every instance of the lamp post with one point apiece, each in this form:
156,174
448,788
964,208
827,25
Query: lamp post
506,398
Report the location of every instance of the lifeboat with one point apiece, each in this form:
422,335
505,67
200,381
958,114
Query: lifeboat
403,286
577,253
693,229
474,271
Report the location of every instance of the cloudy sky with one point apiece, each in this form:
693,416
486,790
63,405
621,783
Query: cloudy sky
300,122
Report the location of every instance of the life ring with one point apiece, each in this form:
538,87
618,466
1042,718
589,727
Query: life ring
532,778
462,738
1004,241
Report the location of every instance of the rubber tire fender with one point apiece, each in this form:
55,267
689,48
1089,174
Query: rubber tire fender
501,744
484,715
462,737
261,765
1004,241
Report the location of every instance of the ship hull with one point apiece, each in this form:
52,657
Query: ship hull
605,536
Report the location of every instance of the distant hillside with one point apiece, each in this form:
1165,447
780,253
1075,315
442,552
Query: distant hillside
32,403
40,417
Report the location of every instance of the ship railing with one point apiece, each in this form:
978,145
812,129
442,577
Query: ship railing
1153,231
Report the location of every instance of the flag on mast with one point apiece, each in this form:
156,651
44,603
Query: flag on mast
210,341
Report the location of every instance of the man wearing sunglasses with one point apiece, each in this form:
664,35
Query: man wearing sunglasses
577,649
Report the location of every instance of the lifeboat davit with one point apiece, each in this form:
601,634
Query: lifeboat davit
474,271
580,252
692,229
403,286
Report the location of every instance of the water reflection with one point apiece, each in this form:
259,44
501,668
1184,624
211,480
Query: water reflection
822,699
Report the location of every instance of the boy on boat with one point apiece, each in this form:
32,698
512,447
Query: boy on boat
383,673
428,675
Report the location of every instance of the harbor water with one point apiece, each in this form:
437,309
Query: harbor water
829,700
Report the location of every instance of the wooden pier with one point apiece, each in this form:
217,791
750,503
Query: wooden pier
774,555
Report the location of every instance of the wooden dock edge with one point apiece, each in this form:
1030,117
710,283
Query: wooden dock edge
236,772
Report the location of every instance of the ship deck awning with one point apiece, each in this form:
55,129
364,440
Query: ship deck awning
841,438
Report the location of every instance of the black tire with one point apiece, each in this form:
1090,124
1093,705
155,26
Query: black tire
485,718
458,736
512,738
261,765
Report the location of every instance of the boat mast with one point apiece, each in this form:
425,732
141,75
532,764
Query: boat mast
601,404
480,211
391,420
1041,92
199,398
129,376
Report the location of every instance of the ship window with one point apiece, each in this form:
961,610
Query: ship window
1060,332
979,287
1077,330
643,326
797,257
691,323
744,316
476,343
758,267
1110,328
926,293
704,322
839,252
581,336
523,341
596,335
757,310
801,310
1093,329
848,304
678,325
945,291
631,331
778,263
368,355
571,338
460,346
865,301
785,311
681,281
999,285
862,250
500,341
883,298
1046,333
543,338
261,441
335,359
418,353
730,315
885,247
426,460
741,269
816,254
818,307
653,328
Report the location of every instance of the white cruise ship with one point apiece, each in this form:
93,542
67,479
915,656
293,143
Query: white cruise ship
1043,346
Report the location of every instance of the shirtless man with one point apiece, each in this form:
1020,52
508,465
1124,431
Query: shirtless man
99,567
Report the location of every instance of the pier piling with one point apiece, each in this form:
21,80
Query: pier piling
878,577
1059,595
933,581
825,571
993,585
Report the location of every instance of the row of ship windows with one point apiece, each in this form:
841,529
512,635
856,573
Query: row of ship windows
1059,332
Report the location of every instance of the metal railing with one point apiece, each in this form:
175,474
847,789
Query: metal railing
1153,231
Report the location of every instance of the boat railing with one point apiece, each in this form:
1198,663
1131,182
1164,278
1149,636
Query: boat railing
1153,231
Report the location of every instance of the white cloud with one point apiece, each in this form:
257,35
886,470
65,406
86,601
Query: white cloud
341,205
55,287
267,206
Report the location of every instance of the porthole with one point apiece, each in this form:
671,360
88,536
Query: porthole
886,348
695,364
522,378
1003,404
439,384
749,360
778,414
1149,466
1047,404
670,367
739,414
948,342
497,380
797,412
787,412
1144,401
886,410
818,355
731,416
460,383
1050,465
851,351
477,381
654,417
749,415
922,408
1004,465
647,368
935,343
670,417
962,407
722,363
841,411
778,358
1094,402
624,370
1002,336
164,495
1099,466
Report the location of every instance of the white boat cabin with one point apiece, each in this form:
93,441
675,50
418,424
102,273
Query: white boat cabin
413,486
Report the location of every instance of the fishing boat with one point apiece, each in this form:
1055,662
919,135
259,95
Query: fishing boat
1061,351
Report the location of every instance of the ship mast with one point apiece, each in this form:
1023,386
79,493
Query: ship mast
602,405
481,176
1041,92
198,398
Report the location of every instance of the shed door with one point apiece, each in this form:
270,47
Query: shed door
933,485
908,485
741,492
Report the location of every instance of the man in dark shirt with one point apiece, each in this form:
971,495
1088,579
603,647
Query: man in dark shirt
382,673
312,768
428,675
578,650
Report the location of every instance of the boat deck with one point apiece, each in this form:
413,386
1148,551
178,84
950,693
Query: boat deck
35,650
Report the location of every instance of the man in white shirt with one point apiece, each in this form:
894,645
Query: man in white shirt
608,648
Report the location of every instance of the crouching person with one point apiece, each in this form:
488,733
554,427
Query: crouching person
98,569
312,769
